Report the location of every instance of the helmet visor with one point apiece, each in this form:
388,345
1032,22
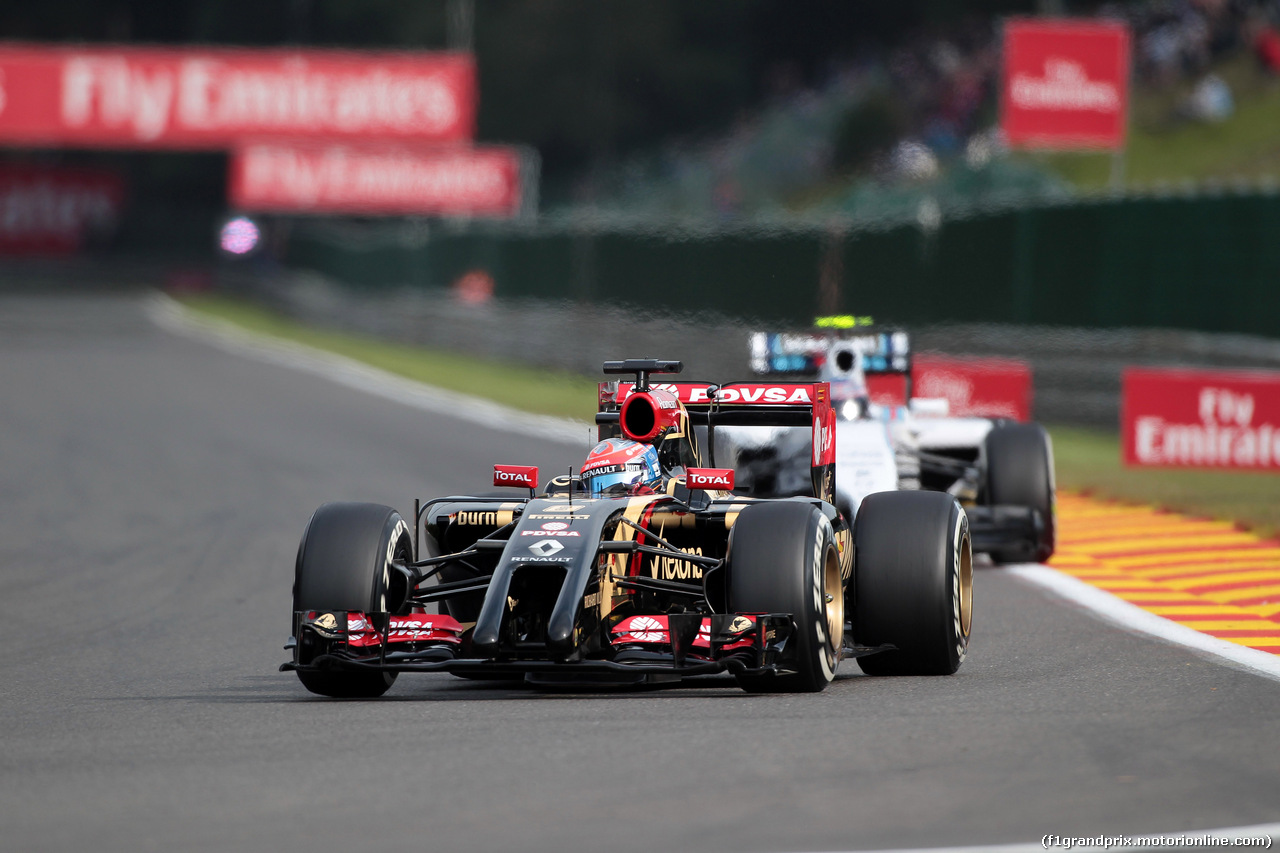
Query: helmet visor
615,479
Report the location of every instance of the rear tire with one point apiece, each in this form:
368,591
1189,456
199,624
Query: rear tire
913,583
343,565
1020,473
783,559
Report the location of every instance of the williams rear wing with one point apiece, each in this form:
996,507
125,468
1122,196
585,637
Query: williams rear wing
830,351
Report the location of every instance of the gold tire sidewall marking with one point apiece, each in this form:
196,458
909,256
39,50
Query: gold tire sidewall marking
961,572
824,559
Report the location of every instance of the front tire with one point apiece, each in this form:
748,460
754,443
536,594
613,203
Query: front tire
913,583
783,559
1019,459
343,565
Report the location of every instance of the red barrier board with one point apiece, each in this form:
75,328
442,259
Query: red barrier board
123,97
50,211
1065,84
284,177
972,387
1201,418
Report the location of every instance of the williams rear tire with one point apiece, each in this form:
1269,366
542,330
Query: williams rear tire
783,559
1020,473
343,565
913,583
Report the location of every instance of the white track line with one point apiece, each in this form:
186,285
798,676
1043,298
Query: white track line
1134,618
173,317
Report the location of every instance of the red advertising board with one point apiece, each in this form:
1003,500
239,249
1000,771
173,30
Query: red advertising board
367,179
977,387
51,210
1065,84
1201,418
123,97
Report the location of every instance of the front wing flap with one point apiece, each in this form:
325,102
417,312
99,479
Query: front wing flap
659,644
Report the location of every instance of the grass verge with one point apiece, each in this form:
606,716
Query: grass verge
1087,460
530,389
1163,148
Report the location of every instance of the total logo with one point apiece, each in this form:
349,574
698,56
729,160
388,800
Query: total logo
709,478
546,548
555,525
515,475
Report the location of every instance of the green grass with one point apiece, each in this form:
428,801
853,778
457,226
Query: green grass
1087,460
1163,148
530,389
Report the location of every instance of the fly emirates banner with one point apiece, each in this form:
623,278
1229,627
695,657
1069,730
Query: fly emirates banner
1201,419
208,98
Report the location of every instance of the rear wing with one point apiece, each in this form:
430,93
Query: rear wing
830,354
626,411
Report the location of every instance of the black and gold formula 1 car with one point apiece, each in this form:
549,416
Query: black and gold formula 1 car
680,577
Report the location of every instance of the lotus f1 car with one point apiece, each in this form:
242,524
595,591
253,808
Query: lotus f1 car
674,576
1001,471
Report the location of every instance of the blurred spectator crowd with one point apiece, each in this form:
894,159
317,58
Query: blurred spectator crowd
1177,39
925,110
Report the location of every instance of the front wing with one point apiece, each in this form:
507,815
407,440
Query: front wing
654,647
1013,531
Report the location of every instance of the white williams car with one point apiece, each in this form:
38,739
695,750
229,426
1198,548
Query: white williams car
1001,471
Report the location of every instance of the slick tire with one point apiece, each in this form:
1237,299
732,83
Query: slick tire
783,559
913,583
343,565
1020,473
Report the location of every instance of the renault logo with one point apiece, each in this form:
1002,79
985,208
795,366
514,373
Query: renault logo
546,547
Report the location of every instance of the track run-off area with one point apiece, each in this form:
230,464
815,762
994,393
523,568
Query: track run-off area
1210,576
156,475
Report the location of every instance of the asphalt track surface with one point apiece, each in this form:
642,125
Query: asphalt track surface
152,493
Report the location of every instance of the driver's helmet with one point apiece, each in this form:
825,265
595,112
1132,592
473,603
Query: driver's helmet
620,466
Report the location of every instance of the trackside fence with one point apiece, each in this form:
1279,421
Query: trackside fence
1208,262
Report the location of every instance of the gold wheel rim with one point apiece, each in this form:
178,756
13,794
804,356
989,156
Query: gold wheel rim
835,598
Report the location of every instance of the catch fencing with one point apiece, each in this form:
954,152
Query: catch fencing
1208,261
1079,290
